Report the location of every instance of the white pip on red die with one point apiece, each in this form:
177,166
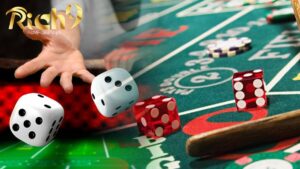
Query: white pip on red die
157,116
36,119
249,89
114,91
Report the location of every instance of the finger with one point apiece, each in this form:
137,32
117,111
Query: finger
29,68
122,63
129,56
66,82
108,60
85,76
127,64
117,60
129,61
37,34
48,76
107,64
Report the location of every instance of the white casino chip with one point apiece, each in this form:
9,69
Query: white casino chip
232,44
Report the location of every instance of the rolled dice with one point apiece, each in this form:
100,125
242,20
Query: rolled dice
249,90
157,116
114,91
36,119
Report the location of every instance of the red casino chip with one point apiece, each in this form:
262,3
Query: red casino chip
274,160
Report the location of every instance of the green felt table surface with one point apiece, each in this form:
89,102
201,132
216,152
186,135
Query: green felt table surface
170,42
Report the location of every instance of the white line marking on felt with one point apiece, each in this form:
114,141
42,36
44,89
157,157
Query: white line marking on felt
178,50
3,167
166,12
206,107
187,12
105,148
282,72
193,41
162,4
202,109
67,167
180,114
284,93
257,6
293,149
11,146
37,153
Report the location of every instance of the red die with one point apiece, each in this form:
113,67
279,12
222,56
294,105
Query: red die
157,116
249,91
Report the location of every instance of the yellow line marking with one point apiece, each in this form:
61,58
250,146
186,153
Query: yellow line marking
297,78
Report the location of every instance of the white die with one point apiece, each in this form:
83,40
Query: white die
36,119
114,91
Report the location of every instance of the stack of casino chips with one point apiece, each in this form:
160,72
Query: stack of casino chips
241,3
281,15
258,2
229,48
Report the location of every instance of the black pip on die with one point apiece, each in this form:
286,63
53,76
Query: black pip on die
36,119
114,91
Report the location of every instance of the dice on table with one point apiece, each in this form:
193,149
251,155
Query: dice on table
36,119
157,116
114,91
249,90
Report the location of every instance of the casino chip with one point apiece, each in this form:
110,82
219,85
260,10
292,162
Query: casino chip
259,2
235,3
281,15
228,53
273,160
228,48
232,44
241,3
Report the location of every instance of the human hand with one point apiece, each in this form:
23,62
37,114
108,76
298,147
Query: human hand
123,57
59,57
